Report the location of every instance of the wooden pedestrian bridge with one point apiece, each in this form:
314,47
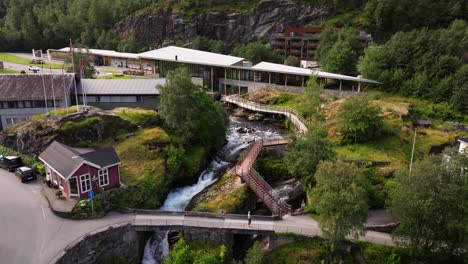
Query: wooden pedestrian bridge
256,182
298,121
245,168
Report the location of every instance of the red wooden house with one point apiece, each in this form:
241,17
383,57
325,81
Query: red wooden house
77,171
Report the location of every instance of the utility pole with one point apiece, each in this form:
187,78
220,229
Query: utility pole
412,153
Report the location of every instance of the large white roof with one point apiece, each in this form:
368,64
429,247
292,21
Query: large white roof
280,68
191,56
120,87
107,53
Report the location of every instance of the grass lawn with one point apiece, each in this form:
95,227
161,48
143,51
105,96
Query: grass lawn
124,77
227,196
19,60
137,158
297,252
8,71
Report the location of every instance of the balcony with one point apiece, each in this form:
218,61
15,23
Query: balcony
277,44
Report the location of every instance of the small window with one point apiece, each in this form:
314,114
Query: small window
20,104
139,98
27,104
11,104
103,177
85,181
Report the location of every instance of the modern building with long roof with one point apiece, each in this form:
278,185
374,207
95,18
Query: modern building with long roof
217,72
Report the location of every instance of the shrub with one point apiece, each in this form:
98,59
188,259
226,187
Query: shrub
359,120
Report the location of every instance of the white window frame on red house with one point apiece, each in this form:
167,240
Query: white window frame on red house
101,174
83,190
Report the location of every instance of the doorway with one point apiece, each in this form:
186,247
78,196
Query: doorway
73,186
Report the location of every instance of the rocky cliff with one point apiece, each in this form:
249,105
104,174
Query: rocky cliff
162,27
77,130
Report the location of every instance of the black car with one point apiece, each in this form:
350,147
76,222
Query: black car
10,163
25,174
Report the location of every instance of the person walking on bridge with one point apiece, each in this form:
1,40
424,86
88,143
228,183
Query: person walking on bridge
249,218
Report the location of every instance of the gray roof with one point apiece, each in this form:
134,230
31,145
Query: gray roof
66,160
120,87
463,139
30,86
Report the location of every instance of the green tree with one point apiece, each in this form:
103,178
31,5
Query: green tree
385,17
292,61
339,199
254,255
421,63
83,59
180,254
303,154
359,120
190,113
312,99
257,52
340,59
329,37
431,206
206,44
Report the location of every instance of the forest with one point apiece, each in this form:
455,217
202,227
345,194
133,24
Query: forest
419,46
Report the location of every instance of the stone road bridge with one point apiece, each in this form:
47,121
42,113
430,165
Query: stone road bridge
136,226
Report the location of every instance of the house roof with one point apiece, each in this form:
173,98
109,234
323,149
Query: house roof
280,68
423,122
191,56
106,53
463,140
120,87
66,160
30,86
103,157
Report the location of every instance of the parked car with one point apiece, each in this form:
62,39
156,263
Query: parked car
25,174
10,163
33,68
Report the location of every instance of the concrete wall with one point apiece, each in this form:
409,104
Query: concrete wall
18,113
149,103
251,86
257,85
123,241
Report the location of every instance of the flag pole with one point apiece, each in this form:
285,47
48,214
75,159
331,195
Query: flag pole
53,90
43,87
64,88
74,79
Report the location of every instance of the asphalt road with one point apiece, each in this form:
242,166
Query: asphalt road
29,231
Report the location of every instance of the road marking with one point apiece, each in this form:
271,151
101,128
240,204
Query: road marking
43,213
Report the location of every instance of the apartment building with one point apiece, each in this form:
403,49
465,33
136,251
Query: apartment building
303,42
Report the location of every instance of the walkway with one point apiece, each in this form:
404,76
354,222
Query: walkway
256,182
298,121
302,225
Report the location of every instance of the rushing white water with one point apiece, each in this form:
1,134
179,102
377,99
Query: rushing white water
156,249
240,133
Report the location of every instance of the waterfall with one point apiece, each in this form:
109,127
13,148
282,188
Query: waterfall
156,249
239,135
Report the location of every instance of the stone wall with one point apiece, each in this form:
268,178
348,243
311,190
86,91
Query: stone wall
123,241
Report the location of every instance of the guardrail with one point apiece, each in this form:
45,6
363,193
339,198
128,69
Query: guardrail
284,110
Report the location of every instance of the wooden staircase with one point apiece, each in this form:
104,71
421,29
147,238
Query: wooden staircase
256,182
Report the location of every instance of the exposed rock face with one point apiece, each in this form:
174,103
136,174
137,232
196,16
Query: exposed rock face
165,27
81,130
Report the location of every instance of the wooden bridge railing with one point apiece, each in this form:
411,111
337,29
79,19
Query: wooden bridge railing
289,112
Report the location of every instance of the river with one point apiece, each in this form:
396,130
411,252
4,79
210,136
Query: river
239,134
